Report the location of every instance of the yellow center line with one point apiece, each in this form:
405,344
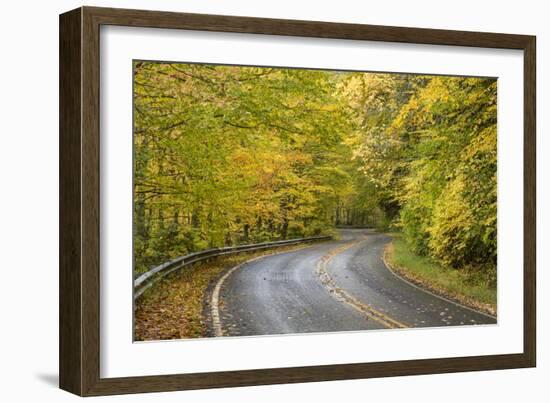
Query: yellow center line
347,298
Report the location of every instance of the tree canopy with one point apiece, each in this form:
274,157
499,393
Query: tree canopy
230,154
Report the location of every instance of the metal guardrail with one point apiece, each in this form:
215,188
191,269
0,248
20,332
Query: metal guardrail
147,279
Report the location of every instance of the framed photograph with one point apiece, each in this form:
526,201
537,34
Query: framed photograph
248,201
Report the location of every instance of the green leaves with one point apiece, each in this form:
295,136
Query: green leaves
229,154
429,143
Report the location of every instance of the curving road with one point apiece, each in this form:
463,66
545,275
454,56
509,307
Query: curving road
333,286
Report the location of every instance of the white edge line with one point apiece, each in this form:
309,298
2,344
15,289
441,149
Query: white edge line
214,305
392,271
344,297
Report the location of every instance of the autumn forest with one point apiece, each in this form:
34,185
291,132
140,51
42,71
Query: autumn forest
227,155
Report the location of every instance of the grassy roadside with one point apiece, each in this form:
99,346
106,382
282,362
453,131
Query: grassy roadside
450,283
173,308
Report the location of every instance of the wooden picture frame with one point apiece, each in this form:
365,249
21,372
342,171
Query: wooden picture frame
79,346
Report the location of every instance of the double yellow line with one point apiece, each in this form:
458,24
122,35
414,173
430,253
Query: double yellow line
347,298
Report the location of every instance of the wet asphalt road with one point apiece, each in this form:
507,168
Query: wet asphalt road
287,292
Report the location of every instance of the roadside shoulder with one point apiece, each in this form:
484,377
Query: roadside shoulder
429,285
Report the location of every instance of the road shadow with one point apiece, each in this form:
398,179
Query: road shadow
49,379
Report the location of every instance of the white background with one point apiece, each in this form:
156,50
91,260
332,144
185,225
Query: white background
119,357
29,202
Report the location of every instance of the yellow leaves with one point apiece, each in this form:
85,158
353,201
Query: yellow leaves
435,153
483,142
452,222
228,147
